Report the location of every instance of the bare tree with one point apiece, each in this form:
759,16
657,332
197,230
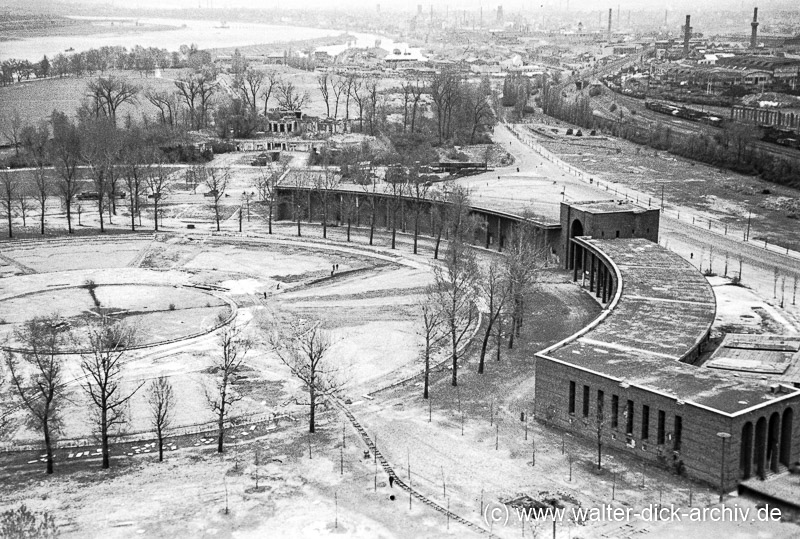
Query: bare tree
455,293
290,97
478,108
338,87
102,369
24,204
304,349
157,184
38,377
417,90
217,182
41,192
266,184
109,93
65,153
233,348
166,103
445,89
372,104
196,90
431,330
11,128
397,188
8,184
360,94
249,87
35,141
349,210
418,189
370,188
351,80
324,184
271,81
323,81
524,262
135,171
297,201
161,399
455,279
494,291
99,151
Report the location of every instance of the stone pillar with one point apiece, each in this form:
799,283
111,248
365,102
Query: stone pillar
575,249
599,278
583,268
591,273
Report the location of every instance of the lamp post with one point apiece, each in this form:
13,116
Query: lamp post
723,436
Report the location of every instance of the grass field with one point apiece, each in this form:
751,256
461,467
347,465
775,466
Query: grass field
35,100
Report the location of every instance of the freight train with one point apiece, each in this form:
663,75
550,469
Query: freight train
685,113
768,133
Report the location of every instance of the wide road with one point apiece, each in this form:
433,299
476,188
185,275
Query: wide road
539,184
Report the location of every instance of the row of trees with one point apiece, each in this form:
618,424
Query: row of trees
111,157
144,60
37,375
501,288
38,378
733,147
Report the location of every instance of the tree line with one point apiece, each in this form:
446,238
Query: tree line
144,60
732,147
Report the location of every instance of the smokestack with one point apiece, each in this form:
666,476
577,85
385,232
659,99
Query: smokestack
754,30
609,24
666,16
687,33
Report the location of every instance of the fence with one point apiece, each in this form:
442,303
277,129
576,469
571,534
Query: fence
743,234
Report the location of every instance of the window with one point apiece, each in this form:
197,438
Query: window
645,422
662,419
678,432
572,397
629,414
600,404
585,401
614,411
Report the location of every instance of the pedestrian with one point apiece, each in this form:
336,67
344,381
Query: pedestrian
391,481
265,294
691,256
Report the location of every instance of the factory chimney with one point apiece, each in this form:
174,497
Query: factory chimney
609,24
687,33
754,30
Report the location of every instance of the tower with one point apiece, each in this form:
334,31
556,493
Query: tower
609,24
499,13
754,30
687,33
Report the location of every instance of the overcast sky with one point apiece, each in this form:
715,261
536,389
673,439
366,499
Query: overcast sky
672,5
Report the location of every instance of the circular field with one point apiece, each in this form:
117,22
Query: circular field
159,313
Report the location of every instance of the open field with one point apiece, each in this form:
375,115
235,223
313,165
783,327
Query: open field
35,100
721,195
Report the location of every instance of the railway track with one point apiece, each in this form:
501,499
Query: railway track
399,482
688,127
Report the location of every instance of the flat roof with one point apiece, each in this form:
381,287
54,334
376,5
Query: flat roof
664,309
608,206
777,356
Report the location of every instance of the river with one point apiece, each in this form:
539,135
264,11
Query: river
205,33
